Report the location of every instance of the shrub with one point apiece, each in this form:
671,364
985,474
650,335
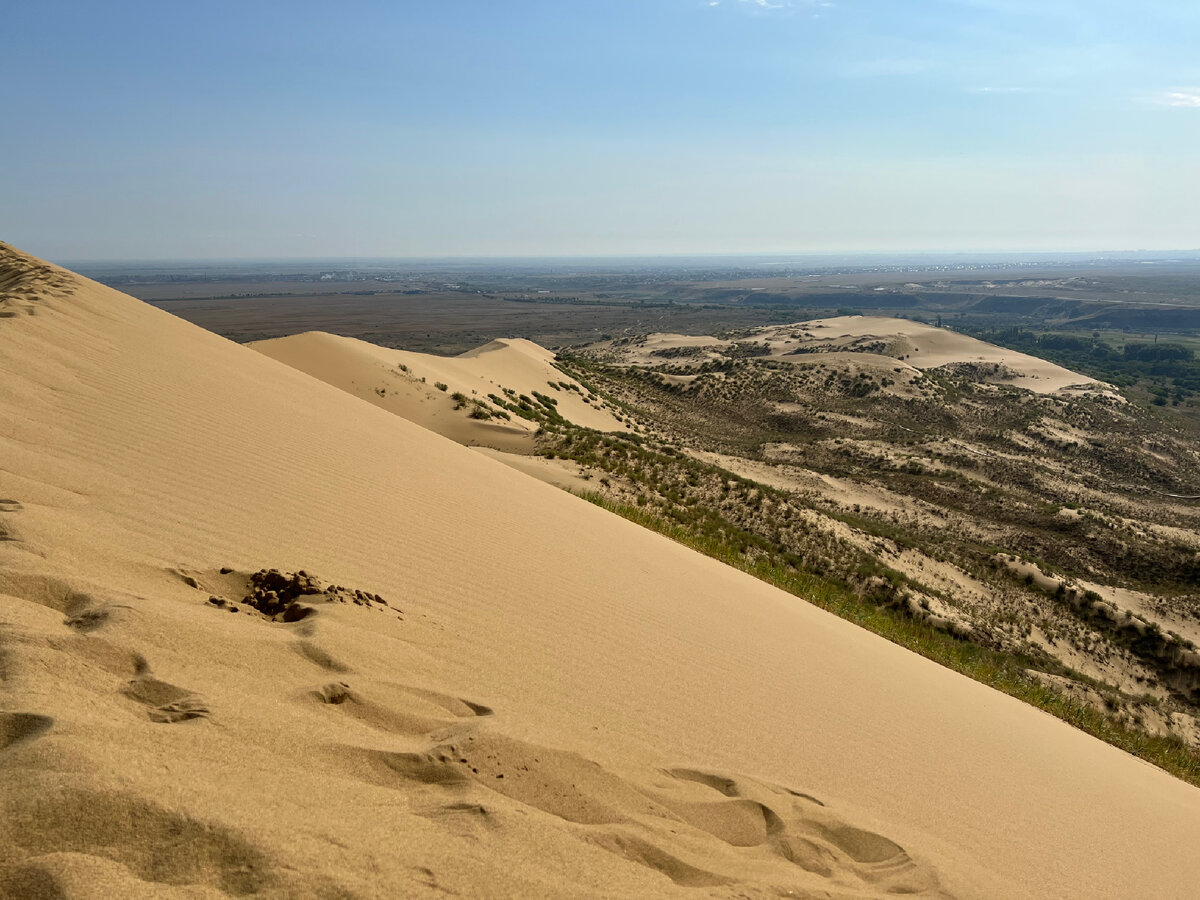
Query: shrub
441,386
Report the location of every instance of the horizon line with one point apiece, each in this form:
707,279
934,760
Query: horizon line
814,254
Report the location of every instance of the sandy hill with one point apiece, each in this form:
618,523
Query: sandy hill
926,347
870,341
474,398
494,689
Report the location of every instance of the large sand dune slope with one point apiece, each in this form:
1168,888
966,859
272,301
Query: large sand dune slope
526,697
421,387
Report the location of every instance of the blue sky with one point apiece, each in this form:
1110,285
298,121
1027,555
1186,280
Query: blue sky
250,129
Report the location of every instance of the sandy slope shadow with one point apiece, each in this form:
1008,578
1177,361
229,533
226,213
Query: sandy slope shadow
54,842
81,609
154,843
320,657
19,727
7,532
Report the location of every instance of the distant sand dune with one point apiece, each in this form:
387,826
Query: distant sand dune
872,342
665,726
407,384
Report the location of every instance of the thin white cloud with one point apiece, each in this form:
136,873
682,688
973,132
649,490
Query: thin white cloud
782,6
1185,99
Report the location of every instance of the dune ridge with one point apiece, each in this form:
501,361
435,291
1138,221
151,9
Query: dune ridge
459,397
664,725
902,346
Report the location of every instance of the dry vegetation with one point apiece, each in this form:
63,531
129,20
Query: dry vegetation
1030,540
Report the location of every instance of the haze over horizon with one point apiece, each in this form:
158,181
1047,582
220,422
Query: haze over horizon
541,129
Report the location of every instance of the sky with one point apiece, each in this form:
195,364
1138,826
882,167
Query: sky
411,128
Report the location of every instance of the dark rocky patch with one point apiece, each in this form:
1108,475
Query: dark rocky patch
278,594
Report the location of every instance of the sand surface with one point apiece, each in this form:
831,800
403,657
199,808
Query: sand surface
530,697
421,387
562,473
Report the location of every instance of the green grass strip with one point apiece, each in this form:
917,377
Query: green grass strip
1002,671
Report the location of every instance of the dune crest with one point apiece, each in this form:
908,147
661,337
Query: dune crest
476,398
902,346
664,725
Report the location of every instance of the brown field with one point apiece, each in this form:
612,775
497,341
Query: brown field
447,322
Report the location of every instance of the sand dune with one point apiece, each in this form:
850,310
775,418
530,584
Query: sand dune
494,689
926,347
422,387
870,341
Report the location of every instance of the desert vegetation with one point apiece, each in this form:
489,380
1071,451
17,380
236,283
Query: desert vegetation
1028,540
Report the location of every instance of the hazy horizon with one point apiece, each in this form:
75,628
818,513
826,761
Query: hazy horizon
540,129
914,257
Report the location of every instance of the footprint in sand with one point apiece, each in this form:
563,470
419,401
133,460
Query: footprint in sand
83,611
400,710
319,656
18,727
696,828
801,830
93,617
6,532
47,590
166,703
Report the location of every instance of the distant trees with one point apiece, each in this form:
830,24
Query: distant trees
1158,352
1168,371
